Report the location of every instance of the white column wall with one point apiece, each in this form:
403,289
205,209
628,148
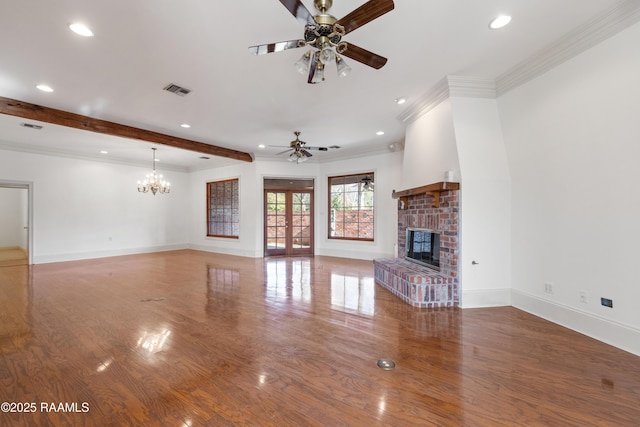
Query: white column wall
485,199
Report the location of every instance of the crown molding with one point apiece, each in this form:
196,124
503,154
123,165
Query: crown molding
471,87
32,149
450,86
427,102
603,26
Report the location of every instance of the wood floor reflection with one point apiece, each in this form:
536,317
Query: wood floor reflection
188,338
12,256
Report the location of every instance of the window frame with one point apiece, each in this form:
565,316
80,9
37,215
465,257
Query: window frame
234,212
359,209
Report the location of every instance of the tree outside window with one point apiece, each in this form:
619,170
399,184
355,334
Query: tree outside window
351,207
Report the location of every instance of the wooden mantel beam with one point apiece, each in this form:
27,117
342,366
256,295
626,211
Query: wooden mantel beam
436,187
29,111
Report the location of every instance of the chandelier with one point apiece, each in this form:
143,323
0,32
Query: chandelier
153,181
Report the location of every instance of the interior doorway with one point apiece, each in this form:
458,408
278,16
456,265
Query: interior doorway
15,223
288,217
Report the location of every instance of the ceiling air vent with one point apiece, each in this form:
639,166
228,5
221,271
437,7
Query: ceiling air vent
31,126
178,90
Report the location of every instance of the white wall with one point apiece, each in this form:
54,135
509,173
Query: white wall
24,218
11,218
572,137
86,209
485,198
430,148
251,177
387,169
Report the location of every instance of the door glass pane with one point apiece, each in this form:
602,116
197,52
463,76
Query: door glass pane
301,220
276,220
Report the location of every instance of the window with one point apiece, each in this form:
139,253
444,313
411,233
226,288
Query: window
223,209
351,207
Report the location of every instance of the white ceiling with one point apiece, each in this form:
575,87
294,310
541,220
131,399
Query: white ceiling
239,100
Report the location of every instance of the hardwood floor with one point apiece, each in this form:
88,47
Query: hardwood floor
10,257
188,338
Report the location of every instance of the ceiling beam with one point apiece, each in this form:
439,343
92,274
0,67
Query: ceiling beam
13,107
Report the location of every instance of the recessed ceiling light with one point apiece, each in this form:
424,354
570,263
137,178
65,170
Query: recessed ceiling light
380,133
185,125
45,88
400,101
81,29
104,152
261,146
499,22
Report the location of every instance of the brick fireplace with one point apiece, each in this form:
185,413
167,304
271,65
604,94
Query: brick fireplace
434,207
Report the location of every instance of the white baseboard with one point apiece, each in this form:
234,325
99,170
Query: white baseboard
485,298
610,332
338,253
226,251
46,259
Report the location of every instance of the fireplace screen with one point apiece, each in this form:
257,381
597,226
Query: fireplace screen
423,246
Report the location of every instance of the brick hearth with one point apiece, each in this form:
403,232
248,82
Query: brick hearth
415,284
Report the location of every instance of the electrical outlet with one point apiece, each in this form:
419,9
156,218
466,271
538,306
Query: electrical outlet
548,288
606,302
583,297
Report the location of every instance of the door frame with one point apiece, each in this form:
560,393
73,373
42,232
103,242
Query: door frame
289,250
24,185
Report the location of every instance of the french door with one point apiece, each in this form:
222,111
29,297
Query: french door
288,222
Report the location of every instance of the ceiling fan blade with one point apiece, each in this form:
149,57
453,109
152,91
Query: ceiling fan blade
317,148
362,55
285,151
364,14
299,11
276,47
306,153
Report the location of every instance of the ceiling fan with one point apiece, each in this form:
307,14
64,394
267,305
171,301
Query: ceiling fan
324,32
299,149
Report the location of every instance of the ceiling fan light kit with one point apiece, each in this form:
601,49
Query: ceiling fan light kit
323,32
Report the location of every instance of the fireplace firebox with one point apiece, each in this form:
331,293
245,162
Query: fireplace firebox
423,247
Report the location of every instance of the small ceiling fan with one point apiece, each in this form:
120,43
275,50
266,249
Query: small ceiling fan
299,149
324,33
